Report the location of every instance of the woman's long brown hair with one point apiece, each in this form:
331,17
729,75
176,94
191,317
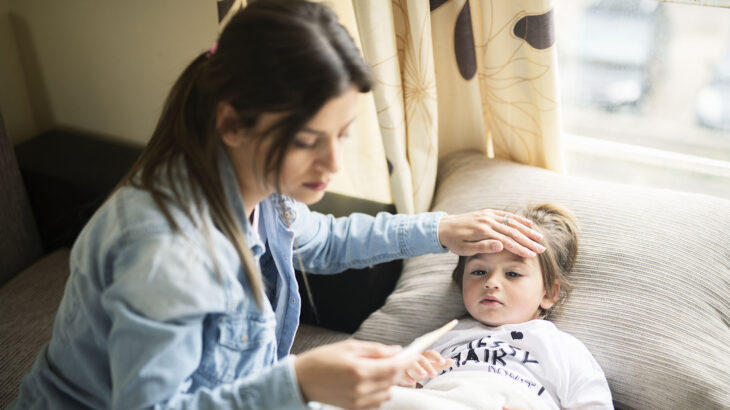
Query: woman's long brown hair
286,56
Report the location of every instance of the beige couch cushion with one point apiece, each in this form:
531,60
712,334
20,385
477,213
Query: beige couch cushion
652,280
28,305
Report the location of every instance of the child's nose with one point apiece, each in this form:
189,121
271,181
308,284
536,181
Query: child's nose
491,282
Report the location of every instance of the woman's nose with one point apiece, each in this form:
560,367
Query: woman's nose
331,156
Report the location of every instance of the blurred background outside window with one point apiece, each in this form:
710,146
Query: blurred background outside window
645,88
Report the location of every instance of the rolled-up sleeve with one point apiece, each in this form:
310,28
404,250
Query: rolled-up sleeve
330,245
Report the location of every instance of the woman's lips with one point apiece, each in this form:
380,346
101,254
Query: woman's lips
316,186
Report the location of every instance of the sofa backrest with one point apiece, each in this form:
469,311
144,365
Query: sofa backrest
650,296
19,241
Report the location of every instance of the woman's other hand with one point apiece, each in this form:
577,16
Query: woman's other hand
428,365
352,374
489,231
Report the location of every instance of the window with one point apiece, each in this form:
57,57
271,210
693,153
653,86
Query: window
646,92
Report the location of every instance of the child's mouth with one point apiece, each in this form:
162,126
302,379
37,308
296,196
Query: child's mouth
490,301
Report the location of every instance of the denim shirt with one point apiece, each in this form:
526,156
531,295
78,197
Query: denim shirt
151,319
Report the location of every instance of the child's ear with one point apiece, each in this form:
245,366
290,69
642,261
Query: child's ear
550,297
226,122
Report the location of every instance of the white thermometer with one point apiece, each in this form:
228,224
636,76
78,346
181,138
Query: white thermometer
422,343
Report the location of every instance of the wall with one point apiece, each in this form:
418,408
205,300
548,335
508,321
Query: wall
105,67
101,66
14,100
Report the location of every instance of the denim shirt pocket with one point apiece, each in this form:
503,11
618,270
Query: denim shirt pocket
239,345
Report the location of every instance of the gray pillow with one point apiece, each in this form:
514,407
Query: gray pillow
652,280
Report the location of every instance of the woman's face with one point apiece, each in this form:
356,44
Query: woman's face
309,162
316,151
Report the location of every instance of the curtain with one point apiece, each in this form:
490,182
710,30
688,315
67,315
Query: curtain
450,75
460,75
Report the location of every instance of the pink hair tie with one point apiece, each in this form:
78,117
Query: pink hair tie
212,50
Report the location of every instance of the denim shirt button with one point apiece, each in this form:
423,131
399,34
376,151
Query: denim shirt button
244,337
292,301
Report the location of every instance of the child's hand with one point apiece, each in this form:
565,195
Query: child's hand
428,365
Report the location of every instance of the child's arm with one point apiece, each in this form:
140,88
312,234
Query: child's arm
428,365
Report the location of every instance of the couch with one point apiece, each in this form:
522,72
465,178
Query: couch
650,302
32,281
652,280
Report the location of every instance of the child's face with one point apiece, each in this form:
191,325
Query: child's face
503,288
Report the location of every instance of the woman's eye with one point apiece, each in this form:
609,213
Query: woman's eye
304,144
478,272
513,275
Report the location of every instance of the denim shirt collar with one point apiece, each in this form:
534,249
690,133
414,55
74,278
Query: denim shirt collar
233,195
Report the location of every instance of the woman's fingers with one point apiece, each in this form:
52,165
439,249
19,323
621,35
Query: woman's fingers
521,219
514,234
514,239
383,371
519,223
499,243
350,374
489,231
373,386
374,350
515,247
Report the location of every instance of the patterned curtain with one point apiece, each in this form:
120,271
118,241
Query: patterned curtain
450,75
460,75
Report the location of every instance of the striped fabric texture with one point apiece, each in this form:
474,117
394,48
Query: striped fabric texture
28,305
652,280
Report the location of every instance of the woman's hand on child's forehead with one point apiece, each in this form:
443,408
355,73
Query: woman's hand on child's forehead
489,231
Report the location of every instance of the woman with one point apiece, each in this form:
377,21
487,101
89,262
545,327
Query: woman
182,290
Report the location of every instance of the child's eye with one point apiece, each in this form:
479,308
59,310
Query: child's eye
478,272
513,275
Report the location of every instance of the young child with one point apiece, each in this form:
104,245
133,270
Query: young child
508,297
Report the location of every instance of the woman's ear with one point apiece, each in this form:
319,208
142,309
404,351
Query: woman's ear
549,299
227,124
